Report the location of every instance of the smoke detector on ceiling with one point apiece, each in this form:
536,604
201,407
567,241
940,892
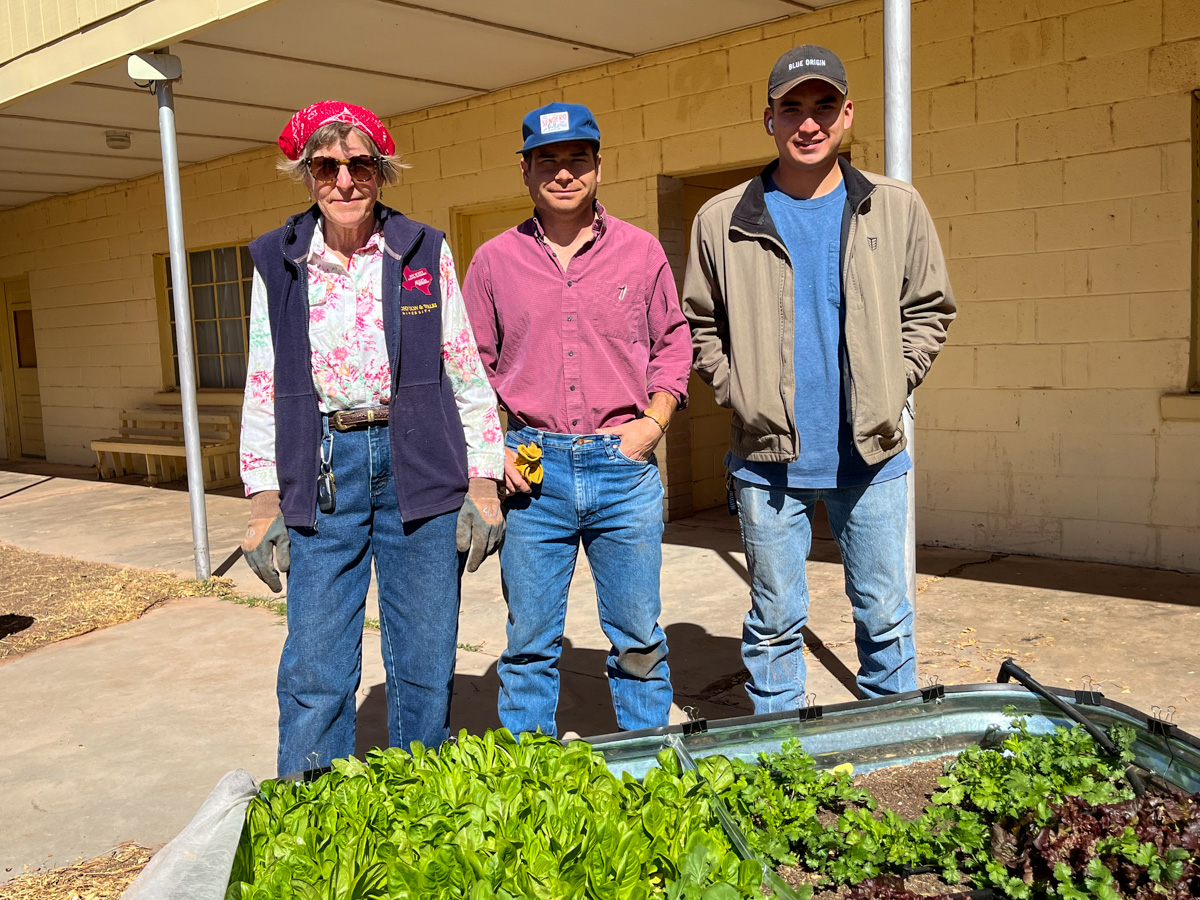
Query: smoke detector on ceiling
117,140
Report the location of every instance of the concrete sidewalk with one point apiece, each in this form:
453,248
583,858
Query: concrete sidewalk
120,734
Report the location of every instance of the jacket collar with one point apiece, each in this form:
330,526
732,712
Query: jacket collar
400,233
751,213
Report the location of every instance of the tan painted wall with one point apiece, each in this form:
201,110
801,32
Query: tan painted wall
1052,145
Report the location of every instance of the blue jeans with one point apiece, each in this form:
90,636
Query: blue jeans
592,493
417,571
868,523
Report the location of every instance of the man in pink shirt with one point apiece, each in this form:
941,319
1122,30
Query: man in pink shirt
580,331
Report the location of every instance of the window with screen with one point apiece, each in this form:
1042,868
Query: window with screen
220,281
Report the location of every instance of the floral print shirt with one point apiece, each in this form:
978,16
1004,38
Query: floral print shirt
350,366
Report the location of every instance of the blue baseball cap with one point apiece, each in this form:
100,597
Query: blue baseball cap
557,122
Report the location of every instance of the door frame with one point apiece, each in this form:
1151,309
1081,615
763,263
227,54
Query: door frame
8,374
460,225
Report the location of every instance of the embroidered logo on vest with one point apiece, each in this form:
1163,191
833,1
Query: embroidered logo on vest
418,280
872,242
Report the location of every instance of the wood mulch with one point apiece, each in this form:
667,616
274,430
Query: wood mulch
104,878
44,598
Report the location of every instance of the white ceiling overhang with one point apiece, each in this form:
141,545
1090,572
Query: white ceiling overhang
254,64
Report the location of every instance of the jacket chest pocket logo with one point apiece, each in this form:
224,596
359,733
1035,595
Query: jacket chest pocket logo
872,242
417,280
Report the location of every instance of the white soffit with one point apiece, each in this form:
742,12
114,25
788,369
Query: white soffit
243,78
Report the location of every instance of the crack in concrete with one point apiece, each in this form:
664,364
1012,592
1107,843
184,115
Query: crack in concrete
959,569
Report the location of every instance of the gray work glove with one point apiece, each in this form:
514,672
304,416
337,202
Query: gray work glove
480,523
267,539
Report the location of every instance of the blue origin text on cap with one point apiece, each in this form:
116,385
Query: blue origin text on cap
557,122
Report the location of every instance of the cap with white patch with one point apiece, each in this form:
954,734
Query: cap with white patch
556,122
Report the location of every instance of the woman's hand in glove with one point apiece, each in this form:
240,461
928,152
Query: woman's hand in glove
480,522
267,539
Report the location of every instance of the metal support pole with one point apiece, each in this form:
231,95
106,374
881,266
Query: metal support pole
897,132
183,327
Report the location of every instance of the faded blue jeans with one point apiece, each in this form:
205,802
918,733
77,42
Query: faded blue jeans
868,523
417,571
594,495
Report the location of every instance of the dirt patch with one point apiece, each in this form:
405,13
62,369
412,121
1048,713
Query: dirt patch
46,598
905,790
104,878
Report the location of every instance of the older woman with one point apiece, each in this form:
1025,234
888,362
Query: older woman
369,432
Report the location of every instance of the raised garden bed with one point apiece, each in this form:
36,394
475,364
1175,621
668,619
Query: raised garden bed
713,811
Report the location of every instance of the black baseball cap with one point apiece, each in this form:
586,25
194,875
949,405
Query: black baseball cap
805,62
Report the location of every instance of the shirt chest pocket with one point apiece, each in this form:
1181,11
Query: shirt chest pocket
616,309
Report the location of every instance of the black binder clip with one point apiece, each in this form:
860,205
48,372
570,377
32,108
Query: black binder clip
1089,696
694,724
810,710
933,690
1161,723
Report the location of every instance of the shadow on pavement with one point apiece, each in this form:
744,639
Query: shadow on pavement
585,705
717,531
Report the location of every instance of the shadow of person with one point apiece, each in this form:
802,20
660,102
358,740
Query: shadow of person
706,674
11,623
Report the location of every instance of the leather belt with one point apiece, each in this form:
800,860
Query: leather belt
346,419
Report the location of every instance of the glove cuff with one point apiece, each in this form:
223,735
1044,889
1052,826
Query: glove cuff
264,505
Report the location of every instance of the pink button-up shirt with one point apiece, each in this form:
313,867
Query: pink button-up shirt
576,351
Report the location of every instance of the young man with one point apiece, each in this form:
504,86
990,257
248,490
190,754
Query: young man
579,328
817,296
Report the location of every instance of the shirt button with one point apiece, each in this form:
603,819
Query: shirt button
568,318
572,387
569,283
570,353
574,421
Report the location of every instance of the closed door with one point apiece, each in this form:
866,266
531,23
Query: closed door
24,398
475,229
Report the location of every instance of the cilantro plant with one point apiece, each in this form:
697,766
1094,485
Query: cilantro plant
487,817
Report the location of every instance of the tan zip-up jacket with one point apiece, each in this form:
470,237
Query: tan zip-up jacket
738,298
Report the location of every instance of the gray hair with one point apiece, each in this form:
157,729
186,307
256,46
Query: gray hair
335,133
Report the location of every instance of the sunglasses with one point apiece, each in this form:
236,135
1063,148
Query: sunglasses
325,168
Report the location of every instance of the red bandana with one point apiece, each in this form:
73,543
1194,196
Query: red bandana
301,126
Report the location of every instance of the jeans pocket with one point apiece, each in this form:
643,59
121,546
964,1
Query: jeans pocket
629,460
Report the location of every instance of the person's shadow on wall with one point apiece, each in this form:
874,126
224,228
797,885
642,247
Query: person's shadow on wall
706,673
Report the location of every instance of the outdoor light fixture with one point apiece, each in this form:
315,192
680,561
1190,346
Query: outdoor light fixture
116,140
155,67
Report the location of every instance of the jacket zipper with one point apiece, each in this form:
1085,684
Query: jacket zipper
849,387
789,410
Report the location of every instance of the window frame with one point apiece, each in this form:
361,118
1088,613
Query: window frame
166,328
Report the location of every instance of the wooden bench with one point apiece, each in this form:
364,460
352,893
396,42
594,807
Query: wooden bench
157,435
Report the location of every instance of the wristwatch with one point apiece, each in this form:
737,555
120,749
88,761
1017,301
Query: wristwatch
657,418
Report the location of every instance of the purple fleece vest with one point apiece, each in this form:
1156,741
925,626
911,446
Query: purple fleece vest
429,449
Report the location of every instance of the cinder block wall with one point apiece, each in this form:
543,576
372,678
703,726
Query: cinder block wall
1052,144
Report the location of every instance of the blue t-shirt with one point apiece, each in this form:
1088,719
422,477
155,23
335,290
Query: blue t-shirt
812,232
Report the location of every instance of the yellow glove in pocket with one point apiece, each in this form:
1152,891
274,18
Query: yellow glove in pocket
529,463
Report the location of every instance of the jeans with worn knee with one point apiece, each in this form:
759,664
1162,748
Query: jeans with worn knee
868,523
417,572
592,494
